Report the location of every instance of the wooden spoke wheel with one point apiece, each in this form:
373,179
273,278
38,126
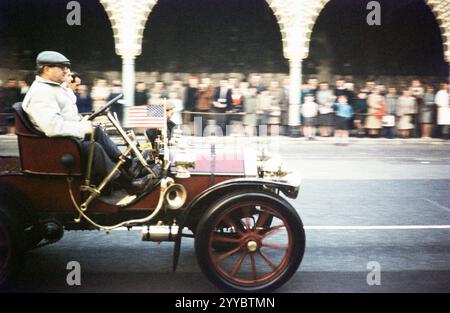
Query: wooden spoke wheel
250,242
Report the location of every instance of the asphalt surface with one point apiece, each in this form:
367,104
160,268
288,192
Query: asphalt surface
371,201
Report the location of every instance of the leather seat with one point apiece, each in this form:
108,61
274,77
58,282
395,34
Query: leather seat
44,155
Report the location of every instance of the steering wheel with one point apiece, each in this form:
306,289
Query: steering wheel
104,108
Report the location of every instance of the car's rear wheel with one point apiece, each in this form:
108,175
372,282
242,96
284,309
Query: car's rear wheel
33,237
250,241
16,204
11,249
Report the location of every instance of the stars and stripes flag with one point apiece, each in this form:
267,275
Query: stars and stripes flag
146,116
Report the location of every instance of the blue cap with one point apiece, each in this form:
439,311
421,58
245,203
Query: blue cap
51,57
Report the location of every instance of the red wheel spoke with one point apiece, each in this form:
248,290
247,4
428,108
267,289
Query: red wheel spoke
224,238
267,259
251,245
232,223
246,214
262,219
275,246
222,257
274,229
252,259
238,264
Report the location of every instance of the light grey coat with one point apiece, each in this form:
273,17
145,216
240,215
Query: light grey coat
51,109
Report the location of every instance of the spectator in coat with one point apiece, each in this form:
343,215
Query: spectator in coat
141,94
24,87
344,113
309,113
11,95
250,107
222,103
190,99
178,88
84,100
177,105
417,91
443,113
360,114
325,99
406,109
204,101
100,93
427,112
263,108
117,107
375,105
390,113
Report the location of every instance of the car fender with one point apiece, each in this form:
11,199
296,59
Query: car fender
197,206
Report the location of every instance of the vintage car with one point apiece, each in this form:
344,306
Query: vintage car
248,237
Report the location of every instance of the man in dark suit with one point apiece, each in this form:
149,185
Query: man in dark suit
141,94
190,99
222,103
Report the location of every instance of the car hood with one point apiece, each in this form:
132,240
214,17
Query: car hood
221,161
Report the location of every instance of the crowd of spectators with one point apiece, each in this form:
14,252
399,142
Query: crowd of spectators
339,109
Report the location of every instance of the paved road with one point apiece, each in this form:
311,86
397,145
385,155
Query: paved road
372,201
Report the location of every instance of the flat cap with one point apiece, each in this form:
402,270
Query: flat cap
51,57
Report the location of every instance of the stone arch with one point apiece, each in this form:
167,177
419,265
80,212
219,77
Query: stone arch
128,23
441,9
200,36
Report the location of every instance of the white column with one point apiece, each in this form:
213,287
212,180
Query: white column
128,83
295,74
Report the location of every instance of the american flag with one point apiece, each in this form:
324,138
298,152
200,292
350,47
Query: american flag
146,116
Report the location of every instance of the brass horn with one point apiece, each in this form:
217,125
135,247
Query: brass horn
175,196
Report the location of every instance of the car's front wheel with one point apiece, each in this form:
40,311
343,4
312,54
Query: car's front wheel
252,241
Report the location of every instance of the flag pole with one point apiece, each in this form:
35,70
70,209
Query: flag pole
166,135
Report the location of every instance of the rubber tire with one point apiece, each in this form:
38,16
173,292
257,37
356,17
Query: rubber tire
205,227
10,224
33,237
24,214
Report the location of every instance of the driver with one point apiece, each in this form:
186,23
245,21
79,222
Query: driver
52,111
